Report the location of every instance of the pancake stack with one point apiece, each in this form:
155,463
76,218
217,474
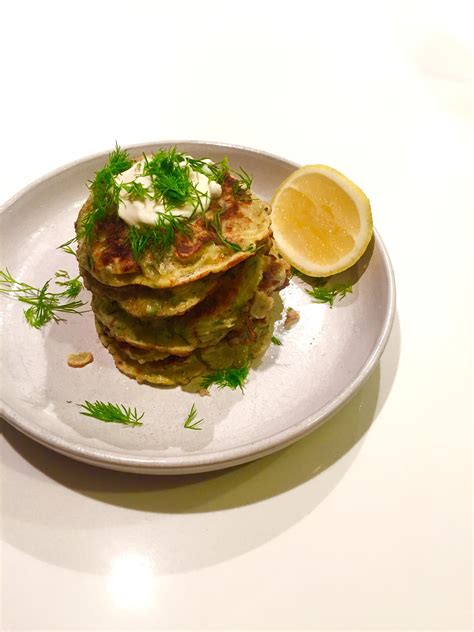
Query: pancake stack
206,303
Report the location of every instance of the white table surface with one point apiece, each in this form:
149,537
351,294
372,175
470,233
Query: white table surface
366,524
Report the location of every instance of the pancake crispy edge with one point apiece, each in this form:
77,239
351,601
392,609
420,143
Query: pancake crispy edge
237,349
247,342
169,372
207,323
144,302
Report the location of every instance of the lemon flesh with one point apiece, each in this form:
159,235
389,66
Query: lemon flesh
321,221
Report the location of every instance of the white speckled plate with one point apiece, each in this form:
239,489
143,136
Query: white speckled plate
324,359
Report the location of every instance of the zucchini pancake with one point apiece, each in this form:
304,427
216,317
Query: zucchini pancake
178,255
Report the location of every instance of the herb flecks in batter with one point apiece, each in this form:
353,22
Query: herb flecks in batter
44,305
191,423
111,413
230,378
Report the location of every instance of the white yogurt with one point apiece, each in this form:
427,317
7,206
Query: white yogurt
137,212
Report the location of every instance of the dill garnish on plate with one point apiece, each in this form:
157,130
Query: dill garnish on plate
230,378
323,294
111,413
191,423
44,304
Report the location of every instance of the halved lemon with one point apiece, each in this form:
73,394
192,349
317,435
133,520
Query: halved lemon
322,222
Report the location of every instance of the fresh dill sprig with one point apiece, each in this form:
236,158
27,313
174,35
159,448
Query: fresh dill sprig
66,247
169,171
170,178
136,191
73,286
161,236
198,199
139,239
214,171
241,186
191,423
323,294
104,190
105,197
44,305
220,169
216,224
232,378
119,160
111,413
276,341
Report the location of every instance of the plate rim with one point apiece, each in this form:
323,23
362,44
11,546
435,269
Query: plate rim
219,459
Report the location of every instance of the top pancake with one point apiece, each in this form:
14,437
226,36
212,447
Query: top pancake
245,221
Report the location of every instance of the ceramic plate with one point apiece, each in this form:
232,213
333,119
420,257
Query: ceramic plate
324,358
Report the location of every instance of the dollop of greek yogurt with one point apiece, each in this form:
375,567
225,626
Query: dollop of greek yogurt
137,212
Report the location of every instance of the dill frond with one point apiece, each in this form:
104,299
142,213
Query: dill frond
105,191
161,236
230,378
216,224
323,294
111,413
44,305
191,423
66,247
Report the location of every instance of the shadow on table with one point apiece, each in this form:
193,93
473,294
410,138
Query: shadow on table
209,500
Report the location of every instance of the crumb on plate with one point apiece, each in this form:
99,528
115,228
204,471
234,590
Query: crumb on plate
78,360
292,317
